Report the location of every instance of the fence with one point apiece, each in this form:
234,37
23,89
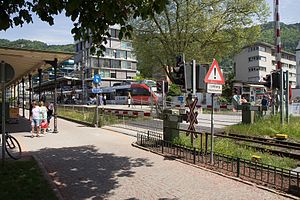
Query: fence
267,175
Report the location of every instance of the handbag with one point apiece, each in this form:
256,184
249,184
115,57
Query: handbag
44,124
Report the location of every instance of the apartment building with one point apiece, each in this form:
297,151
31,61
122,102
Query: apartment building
116,66
254,62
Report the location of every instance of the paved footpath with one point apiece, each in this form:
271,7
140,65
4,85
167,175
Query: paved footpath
90,163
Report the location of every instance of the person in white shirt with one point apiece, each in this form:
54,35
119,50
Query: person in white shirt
35,119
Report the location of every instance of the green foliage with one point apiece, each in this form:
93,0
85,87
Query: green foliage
290,35
37,45
91,19
227,88
190,27
174,90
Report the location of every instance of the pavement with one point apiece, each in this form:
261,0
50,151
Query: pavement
95,163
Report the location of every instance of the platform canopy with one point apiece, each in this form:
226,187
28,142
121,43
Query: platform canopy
28,61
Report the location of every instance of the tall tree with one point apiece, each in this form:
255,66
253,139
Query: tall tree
91,18
199,29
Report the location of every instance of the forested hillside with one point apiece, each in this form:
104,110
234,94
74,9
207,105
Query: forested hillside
38,45
290,35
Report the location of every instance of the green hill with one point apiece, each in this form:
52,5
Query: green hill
38,45
290,35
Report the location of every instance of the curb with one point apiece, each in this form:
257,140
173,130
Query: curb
221,174
47,177
77,121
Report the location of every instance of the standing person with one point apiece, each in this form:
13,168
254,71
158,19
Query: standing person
43,115
35,119
49,114
30,109
265,104
129,99
104,99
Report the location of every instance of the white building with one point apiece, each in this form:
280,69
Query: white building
116,66
254,62
296,91
298,64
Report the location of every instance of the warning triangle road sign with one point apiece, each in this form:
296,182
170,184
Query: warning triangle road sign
214,74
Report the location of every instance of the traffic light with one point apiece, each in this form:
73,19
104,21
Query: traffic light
159,86
276,79
267,80
166,85
179,71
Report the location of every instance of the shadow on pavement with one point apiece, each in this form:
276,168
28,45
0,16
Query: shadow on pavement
23,125
84,173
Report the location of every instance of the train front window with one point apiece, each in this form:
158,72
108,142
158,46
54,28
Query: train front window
140,92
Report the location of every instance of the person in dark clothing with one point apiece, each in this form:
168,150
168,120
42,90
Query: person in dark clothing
264,104
50,108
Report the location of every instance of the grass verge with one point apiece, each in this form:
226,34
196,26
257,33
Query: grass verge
229,147
24,180
268,126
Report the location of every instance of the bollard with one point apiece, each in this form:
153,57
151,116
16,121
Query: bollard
206,142
238,160
194,156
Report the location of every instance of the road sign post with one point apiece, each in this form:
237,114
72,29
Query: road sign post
97,81
214,79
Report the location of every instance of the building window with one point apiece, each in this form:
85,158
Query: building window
126,45
262,49
105,74
116,64
254,58
113,75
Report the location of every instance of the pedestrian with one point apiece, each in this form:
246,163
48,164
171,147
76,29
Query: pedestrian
35,119
129,99
30,109
243,100
43,116
49,114
104,99
265,104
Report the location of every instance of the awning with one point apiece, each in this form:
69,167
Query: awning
28,61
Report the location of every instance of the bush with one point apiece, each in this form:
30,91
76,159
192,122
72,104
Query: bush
174,90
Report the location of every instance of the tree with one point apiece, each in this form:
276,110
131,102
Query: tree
197,29
91,18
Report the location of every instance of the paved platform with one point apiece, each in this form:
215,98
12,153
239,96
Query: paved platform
90,163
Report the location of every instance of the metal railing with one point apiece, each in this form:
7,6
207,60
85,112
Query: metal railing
275,177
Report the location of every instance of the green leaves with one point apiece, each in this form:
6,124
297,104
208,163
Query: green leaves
200,30
91,18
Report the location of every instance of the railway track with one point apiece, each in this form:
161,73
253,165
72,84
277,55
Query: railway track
260,140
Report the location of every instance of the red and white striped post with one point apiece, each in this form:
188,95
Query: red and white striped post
277,34
278,54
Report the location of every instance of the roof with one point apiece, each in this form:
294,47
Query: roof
26,61
269,45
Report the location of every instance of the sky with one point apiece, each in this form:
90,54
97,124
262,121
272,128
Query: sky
60,32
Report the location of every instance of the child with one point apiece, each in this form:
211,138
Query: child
35,119
43,115
49,114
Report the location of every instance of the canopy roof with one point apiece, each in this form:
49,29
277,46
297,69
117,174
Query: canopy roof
28,61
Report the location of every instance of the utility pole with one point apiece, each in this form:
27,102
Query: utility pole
194,78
